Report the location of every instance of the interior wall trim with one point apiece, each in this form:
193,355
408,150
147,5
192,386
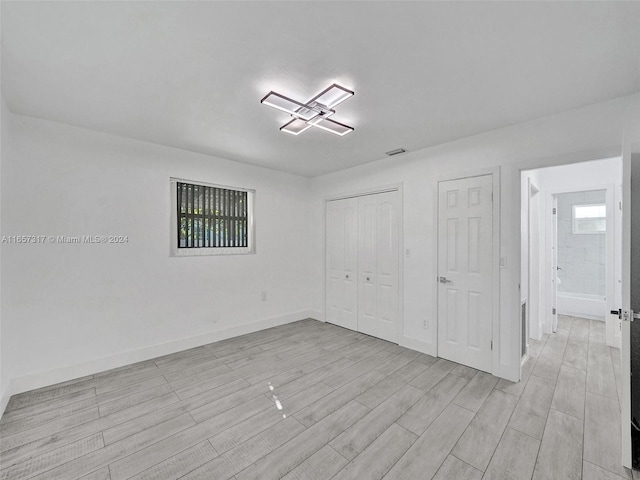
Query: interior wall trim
90,367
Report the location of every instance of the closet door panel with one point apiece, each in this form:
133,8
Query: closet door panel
388,260
342,261
367,264
362,277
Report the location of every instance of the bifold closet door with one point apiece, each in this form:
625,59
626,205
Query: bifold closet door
342,263
378,265
362,236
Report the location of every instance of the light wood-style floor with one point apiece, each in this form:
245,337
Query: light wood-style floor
353,408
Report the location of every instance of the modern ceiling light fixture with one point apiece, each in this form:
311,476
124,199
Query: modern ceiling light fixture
314,113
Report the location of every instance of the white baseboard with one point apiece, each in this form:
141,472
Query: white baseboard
419,346
432,349
89,367
584,307
5,395
317,315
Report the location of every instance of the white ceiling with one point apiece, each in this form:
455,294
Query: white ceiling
191,74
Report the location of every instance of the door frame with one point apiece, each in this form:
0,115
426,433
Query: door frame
393,187
625,327
533,226
550,242
625,196
495,287
513,228
552,274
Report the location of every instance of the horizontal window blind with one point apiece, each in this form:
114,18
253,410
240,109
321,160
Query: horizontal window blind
211,217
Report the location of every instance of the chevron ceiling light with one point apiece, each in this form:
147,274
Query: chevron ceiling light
313,113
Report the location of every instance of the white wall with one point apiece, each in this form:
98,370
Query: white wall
583,134
71,310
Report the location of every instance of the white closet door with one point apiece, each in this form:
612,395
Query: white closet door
367,265
378,265
388,267
342,261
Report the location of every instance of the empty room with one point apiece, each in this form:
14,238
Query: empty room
347,240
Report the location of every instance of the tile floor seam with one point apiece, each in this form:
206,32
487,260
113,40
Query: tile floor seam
366,346
584,410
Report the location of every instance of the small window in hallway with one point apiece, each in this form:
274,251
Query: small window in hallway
589,219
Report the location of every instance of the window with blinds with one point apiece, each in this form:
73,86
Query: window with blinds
212,217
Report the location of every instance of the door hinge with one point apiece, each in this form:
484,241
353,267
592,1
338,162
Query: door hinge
554,210
553,310
491,344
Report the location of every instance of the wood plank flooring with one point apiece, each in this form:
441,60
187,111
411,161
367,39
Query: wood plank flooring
313,401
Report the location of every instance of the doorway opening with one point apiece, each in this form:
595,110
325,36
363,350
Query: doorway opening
584,249
571,248
571,279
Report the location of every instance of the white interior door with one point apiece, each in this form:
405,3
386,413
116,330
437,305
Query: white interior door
378,265
342,263
367,265
465,260
613,295
554,267
625,337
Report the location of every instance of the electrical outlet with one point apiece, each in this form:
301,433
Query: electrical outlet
425,324
263,296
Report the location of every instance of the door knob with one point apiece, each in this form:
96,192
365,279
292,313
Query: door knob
444,280
347,276
367,279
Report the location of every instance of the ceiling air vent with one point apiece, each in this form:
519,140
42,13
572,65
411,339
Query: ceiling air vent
397,151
